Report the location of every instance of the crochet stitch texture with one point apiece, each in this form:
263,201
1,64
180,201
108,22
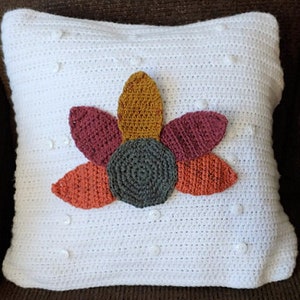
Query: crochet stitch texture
238,238
143,171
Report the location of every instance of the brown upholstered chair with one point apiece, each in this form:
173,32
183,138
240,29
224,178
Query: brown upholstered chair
286,131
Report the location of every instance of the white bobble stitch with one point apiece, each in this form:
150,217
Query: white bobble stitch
241,248
237,209
67,220
231,133
154,250
57,34
65,253
221,27
136,61
67,141
56,67
154,214
230,59
51,144
202,104
251,130
232,158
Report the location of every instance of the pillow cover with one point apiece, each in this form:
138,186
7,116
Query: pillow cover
145,154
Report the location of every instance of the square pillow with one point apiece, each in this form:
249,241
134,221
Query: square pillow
145,153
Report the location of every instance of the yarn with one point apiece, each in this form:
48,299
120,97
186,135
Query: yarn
193,240
95,132
142,172
84,187
204,175
140,108
194,134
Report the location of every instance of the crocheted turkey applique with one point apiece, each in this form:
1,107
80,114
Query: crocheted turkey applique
135,159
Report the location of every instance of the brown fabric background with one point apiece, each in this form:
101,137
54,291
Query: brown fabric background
286,131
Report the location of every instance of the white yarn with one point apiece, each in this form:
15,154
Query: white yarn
239,238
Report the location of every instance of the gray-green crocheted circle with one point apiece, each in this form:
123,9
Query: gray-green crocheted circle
142,172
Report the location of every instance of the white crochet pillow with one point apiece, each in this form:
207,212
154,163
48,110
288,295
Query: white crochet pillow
231,231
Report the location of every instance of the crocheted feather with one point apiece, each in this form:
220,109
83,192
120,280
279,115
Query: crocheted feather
205,175
95,132
194,134
140,108
85,187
